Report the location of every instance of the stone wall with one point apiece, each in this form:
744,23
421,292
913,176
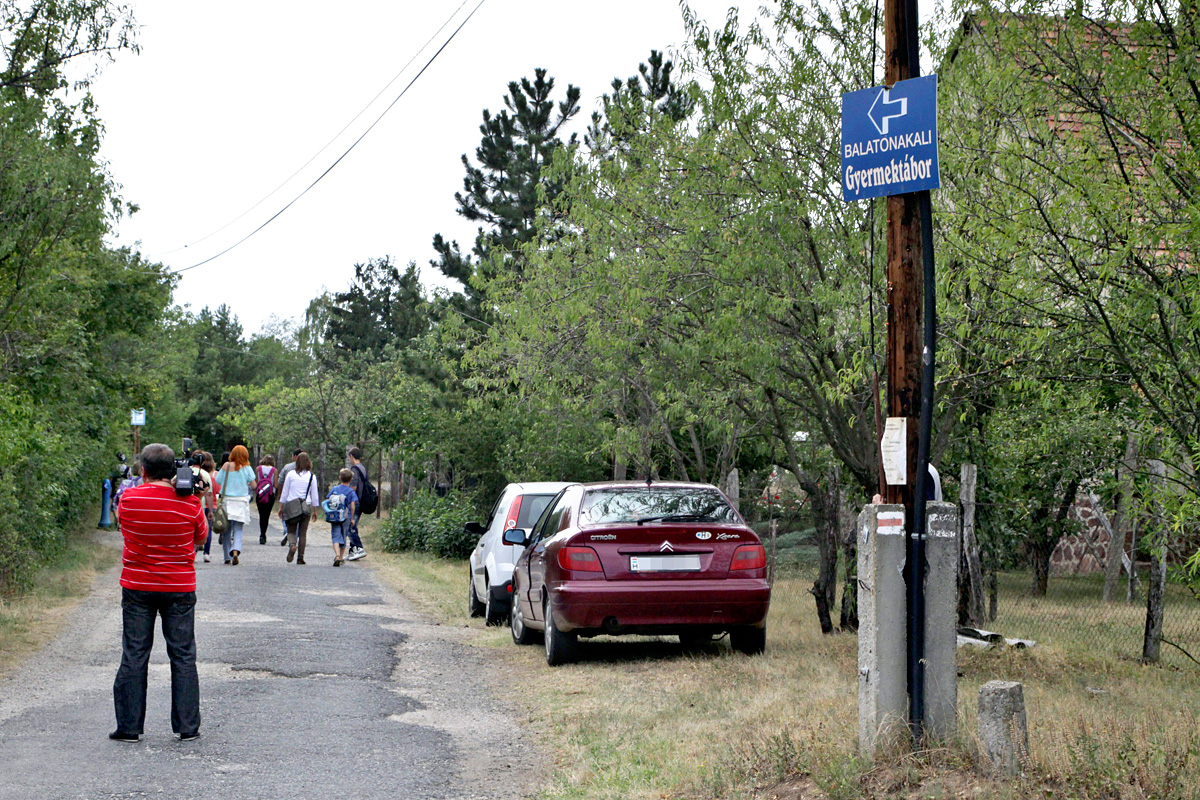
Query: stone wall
1083,552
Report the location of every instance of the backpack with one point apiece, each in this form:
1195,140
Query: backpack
335,508
368,498
266,488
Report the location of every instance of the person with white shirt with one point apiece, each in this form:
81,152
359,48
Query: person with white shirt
299,502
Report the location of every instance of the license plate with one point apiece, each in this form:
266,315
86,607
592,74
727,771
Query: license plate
678,563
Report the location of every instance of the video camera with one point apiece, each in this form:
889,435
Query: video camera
186,482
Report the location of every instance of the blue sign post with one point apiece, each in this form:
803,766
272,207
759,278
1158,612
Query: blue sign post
889,140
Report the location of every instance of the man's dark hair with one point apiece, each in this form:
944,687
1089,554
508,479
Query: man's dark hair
297,451
356,453
158,462
197,458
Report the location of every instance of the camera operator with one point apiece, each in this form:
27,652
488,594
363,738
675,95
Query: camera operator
202,487
161,530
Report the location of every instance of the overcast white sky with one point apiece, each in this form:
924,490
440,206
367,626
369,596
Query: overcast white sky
227,101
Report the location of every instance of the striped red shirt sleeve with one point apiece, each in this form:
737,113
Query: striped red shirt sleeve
162,531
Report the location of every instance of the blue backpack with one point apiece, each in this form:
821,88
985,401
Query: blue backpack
335,508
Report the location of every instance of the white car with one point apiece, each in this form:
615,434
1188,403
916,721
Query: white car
490,592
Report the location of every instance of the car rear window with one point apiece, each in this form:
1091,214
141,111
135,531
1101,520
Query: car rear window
532,506
655,503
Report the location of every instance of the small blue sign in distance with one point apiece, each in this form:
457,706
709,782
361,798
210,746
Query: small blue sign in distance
889,140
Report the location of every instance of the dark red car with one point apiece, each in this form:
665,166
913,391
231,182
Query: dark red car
639,558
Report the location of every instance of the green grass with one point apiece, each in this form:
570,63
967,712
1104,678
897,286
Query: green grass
641,718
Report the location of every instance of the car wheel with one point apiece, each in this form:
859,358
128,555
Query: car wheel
561,648
516,623
750,641
474,607
492,613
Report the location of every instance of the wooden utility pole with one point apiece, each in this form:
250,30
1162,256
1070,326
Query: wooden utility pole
904,285
910,352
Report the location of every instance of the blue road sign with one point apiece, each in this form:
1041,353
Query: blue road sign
889,139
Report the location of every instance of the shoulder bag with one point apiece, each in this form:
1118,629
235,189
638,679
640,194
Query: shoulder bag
220,518
298,506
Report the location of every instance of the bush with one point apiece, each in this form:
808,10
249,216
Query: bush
430,524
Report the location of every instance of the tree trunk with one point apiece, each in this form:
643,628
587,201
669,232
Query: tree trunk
1156,588
971,604
1120,524
1040,551
1045,540
825,516
849,532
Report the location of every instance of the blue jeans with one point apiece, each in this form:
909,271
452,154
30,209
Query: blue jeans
233,539
208,541
354,540
338,531
139,610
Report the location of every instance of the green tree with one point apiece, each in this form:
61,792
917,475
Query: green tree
1074,170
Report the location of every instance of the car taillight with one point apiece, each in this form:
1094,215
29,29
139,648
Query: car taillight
579,559
749,556
514,513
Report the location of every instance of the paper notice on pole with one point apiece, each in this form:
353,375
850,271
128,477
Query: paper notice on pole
894,449
137,416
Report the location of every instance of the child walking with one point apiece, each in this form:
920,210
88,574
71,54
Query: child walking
339,510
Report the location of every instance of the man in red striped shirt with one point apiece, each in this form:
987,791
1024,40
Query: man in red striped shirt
162,531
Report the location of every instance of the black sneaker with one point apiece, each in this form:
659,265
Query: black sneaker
283,542
187,737
262,538
121,736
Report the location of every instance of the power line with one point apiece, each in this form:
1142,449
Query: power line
327,145
353,145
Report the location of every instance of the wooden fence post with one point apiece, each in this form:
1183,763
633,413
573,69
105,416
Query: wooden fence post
1120,523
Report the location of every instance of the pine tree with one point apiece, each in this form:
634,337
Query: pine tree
383,306
635,103
501,190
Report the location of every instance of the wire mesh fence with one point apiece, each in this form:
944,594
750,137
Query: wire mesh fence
1071,616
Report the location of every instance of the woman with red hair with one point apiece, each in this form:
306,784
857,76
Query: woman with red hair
236,480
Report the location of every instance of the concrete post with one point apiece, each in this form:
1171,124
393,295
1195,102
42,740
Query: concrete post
1002,728
882,637
941,618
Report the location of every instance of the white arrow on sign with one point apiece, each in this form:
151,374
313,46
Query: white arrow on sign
881,124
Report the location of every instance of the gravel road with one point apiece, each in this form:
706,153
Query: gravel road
315,682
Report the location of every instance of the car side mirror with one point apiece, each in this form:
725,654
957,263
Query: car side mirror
516,536
476,528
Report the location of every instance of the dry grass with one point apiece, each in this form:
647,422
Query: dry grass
31,619
642,718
